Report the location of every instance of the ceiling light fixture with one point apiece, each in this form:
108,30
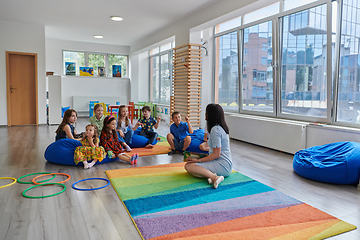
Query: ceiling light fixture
116,18
98,36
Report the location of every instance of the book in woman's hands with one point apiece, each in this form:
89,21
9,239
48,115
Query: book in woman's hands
193,155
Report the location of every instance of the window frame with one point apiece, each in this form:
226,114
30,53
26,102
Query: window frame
276,63
86,62
168,52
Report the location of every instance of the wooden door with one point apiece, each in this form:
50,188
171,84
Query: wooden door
21,72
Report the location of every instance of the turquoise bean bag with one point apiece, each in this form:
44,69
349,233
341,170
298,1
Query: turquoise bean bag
337,163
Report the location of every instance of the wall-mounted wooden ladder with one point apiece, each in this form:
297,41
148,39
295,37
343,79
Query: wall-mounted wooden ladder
186,84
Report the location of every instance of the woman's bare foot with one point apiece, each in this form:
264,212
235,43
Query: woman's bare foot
149,146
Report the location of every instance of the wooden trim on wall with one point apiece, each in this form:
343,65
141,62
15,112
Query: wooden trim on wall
8,53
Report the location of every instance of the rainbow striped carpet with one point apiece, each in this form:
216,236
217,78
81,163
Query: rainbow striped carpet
165,202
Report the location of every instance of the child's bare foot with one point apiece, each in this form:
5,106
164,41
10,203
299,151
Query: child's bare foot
149,146
158,138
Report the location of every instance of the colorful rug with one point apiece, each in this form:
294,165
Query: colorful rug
161,147
165,202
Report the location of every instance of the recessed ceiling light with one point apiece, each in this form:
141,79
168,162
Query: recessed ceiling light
116,18
98,36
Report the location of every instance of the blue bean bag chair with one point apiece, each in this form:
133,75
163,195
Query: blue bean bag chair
139,141
197,138
337,163
62,152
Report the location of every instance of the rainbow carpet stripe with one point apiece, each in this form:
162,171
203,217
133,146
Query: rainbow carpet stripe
165,202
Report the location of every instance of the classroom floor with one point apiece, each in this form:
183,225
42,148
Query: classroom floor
100,214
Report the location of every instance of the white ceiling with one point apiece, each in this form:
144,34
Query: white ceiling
80,20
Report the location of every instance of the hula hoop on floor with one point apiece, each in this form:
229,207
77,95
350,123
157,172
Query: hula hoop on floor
18,180
90,189
69,177
7,185
43,184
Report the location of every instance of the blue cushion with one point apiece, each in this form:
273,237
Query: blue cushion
62,152
337,163
197,138
139,141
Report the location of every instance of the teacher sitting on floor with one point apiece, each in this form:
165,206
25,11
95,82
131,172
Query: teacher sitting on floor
218,163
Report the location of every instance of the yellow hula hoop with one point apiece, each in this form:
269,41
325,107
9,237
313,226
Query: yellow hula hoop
15,180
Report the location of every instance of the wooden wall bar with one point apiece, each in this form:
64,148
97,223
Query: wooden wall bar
186,84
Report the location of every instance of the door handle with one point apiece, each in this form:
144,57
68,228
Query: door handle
11,89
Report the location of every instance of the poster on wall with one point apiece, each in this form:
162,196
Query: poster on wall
87,71
101,71
116,69
70,68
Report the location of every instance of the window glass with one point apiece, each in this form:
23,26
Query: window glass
154,79
154,51
257,80
95,61
349,66
303,68
165,81
73,57
262,13
236,22
165,47
290,4
227,73
118,60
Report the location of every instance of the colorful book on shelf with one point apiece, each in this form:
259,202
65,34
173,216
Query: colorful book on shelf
116,69
87,71
70,68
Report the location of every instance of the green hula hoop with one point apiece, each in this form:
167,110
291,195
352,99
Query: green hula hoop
43,184
18,180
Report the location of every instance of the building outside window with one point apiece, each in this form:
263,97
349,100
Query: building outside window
257,91
303,68
227,72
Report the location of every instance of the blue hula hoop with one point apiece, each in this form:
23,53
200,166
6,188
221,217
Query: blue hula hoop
90,189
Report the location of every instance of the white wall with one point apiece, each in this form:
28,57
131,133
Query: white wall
22,38
140,77
89,86
54,48
207,91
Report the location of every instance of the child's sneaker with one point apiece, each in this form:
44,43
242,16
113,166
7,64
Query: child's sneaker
86,164
90,165
136,158
128,149
173,151
132,159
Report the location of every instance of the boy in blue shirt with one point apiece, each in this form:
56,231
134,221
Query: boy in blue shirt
179,138
147,123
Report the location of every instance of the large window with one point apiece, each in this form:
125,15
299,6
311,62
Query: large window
349,65
155,79
160,73
303,68
257,75
95,60
227,71
165,78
